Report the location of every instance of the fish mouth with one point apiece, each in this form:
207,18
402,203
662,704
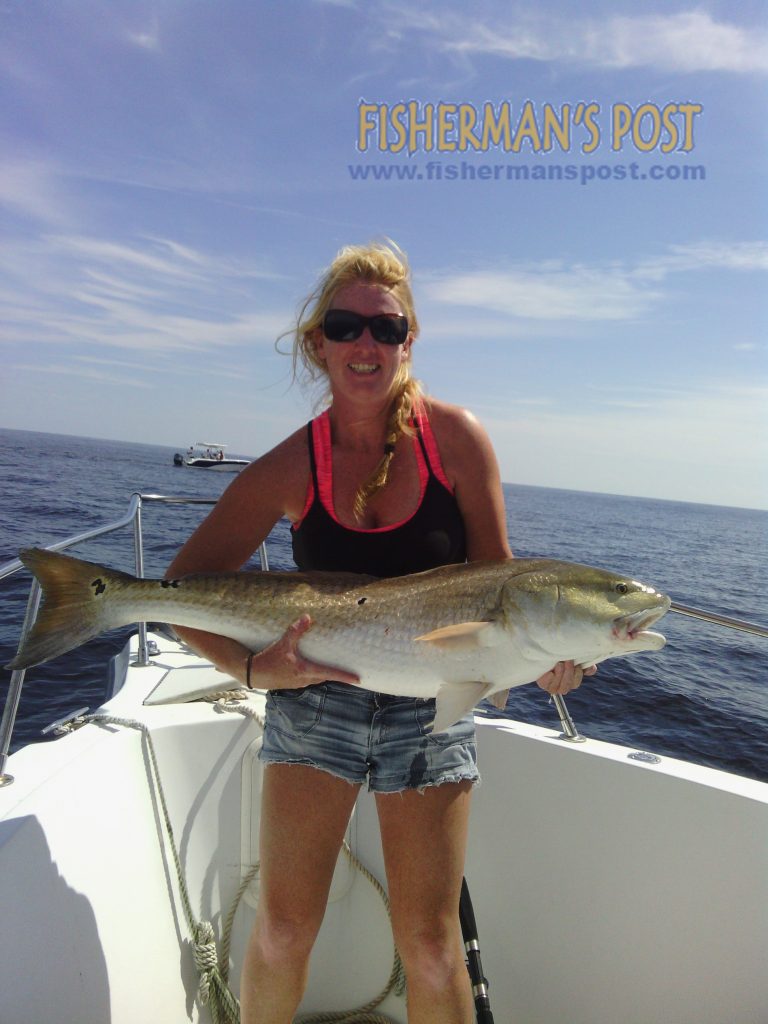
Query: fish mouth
630,627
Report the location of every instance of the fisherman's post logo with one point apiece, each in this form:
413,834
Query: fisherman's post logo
579,129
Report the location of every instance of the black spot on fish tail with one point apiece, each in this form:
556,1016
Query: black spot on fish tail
99,586
362,600
169,583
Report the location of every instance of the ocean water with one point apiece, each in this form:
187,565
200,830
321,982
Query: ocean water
703,698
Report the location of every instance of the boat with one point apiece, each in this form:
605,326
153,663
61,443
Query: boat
608,885
209,455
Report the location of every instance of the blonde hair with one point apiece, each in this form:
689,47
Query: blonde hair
386,265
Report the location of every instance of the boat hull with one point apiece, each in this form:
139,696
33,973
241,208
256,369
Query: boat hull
217,465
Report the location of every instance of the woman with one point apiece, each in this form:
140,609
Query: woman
388,482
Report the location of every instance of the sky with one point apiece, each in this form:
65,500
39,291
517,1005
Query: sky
580,188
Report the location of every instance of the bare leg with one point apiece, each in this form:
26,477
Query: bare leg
424,838
304,813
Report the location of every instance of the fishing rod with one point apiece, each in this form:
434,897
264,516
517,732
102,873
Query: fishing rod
474,963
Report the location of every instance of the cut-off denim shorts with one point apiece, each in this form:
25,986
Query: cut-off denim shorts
356,735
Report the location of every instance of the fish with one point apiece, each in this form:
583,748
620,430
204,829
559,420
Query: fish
457,633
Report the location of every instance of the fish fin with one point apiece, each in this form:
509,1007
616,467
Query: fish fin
499,699
462,636
72,611
454,700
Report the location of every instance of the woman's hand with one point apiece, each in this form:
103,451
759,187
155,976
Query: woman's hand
281,667
564,677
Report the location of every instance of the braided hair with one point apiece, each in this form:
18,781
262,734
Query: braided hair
398,425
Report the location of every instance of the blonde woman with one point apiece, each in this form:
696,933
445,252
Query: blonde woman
385,481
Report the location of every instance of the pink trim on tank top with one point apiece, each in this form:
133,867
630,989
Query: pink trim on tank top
427,435
321,437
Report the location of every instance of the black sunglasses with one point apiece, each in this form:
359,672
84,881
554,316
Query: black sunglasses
344,325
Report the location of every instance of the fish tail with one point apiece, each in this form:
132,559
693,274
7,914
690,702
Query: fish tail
72,611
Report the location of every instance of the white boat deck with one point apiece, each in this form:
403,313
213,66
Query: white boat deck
606,890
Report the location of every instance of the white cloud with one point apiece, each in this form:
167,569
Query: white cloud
33,189
146,38
111,253
729,256
159,257
90,374
144,294
684,41
157,365
555,291
549,293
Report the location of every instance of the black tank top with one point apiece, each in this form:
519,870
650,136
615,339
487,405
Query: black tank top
433,535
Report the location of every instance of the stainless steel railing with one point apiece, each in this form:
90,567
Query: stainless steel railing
570,732
131,518
720,620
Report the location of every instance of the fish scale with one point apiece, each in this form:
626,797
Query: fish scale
457,633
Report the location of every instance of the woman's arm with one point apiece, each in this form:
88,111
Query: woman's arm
272,486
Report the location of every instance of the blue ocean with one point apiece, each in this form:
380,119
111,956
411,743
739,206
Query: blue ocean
703,698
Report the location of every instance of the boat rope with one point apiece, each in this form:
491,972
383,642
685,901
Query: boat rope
235,701
213,969
396,982
213,989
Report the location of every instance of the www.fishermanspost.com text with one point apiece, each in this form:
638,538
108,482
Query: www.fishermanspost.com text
470,171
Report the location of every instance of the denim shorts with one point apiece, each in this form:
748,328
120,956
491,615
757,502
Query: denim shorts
356,735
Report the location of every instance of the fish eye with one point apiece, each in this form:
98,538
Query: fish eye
621,588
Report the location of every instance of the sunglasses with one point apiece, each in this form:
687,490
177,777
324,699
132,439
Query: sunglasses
344,325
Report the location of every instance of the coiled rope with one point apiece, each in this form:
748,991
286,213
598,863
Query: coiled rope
236,701
213,990
396,982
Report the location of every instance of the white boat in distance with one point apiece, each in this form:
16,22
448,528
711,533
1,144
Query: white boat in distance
610,885
209,455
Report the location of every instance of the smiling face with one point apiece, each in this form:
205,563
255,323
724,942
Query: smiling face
364,370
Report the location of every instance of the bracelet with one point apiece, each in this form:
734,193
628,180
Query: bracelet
248,661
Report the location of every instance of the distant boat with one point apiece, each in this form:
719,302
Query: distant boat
209,455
